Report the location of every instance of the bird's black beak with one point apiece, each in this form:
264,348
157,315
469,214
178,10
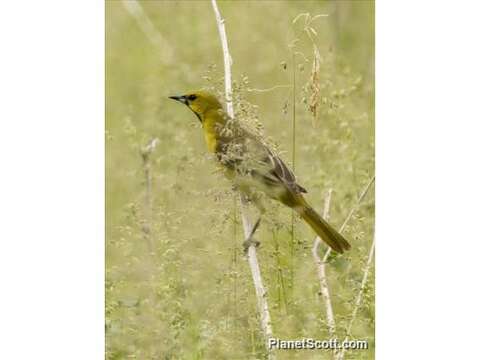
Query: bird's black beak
182,99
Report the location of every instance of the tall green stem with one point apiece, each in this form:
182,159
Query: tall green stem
292,229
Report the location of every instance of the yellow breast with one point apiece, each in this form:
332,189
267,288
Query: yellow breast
211,140
211,124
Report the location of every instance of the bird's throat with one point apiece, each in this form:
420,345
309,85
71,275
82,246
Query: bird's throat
212,126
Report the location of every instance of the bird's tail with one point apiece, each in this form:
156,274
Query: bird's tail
326,232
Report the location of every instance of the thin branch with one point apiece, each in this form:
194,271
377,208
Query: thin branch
322,271
350,214
227,58
322,276
359,298
143,21
260,290
147,227
269,89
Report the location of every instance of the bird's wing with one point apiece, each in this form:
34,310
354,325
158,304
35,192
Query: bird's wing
281,171
248,155
270,166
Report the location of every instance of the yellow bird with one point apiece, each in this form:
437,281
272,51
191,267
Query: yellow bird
253,167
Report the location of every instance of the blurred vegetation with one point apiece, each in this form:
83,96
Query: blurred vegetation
177,285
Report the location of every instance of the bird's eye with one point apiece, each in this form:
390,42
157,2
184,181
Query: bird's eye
192,97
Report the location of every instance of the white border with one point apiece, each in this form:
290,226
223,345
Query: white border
428,179
52,180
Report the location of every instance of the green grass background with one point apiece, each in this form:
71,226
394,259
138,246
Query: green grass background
190,295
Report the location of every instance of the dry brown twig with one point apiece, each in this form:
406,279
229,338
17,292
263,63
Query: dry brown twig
260,290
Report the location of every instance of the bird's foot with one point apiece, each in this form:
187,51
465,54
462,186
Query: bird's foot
249,242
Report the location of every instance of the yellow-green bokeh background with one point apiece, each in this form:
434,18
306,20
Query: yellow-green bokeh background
191,296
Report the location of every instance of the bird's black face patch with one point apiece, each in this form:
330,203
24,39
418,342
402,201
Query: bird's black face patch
188,100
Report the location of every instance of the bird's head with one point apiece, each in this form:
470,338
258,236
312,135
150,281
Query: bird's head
200,102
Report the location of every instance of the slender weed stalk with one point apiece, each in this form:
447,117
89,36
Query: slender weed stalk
294,123
134,8
350,214
358,299
260,290
235,270
146,152
281,293
321,272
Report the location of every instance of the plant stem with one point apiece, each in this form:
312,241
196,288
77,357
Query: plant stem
292,230
281,288
235,263
143,21
322,275
147,227
260,290
350,214
358,300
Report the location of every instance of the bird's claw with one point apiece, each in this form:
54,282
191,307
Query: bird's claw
249,242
